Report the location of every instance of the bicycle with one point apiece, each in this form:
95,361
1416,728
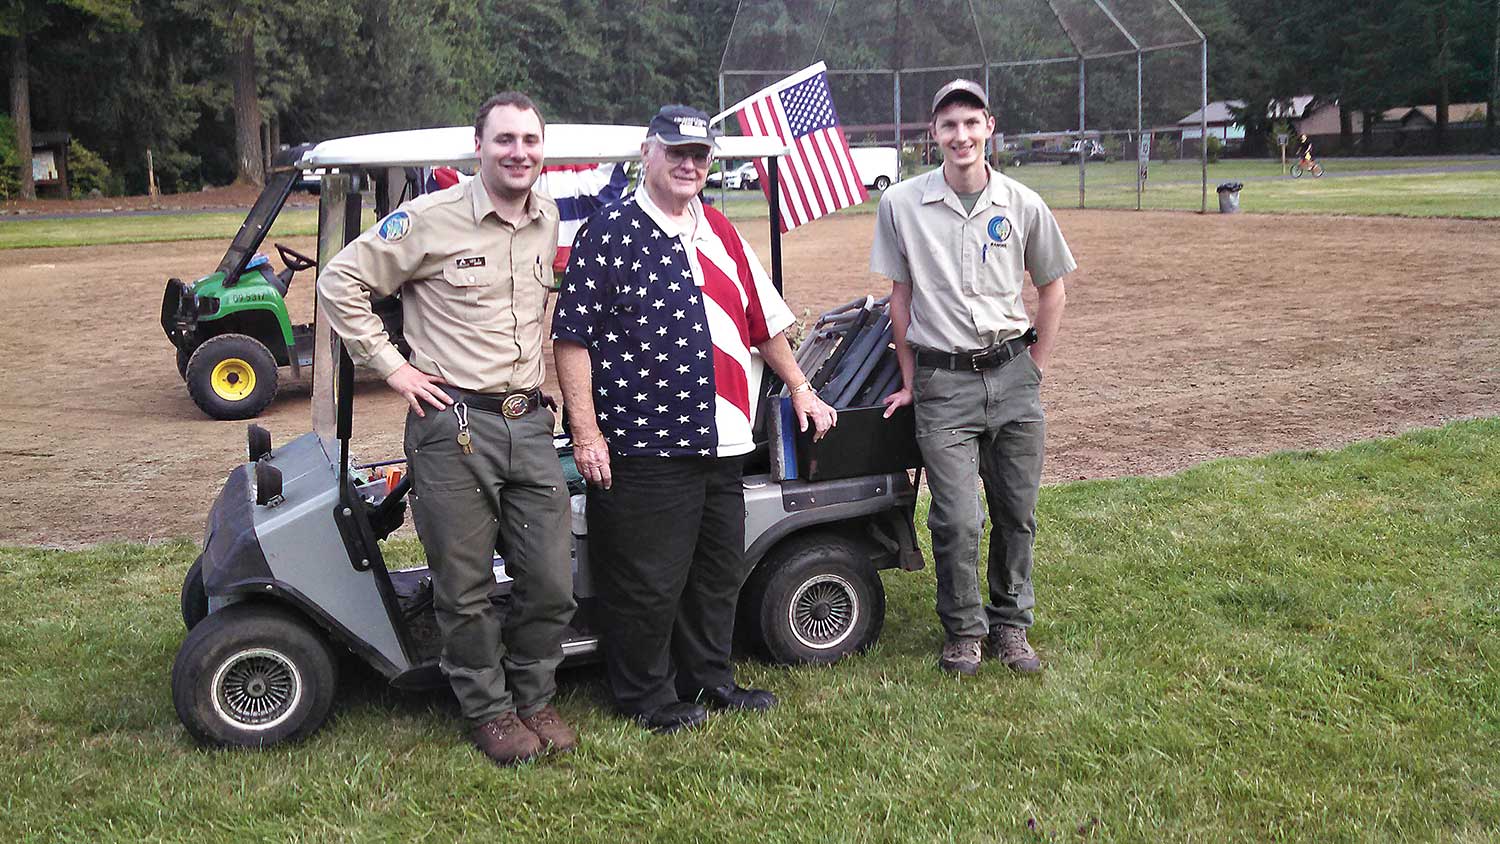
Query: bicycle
1306,164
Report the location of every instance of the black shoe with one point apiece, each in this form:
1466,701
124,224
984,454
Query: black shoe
737,697
672,717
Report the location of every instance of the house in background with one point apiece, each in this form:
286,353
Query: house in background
1399,129
1222,125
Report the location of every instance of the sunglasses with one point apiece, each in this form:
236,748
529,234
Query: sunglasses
700,156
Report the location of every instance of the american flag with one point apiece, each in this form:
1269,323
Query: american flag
817,177
578,189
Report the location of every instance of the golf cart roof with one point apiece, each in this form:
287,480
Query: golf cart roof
567,143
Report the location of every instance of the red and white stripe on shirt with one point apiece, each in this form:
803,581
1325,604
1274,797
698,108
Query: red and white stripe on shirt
743,310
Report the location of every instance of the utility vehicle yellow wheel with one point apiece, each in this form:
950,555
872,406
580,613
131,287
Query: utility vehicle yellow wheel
232,376
233,379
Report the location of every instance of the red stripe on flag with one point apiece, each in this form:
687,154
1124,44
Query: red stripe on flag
830,139
818,164
796,176
852,176
790,213
810,164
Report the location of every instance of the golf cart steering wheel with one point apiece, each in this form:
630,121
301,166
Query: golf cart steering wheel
294,260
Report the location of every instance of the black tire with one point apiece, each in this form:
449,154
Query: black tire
253,675
232,376
1296,171
882,182
183,355
813,599
194,597
1317,170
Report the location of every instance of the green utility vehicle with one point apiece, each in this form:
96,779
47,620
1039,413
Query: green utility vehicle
231,328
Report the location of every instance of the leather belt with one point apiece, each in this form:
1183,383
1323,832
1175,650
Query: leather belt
510,405
994,356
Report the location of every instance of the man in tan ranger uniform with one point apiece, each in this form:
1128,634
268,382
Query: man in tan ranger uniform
473,264
957,244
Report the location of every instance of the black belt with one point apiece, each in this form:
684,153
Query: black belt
511,405
990,358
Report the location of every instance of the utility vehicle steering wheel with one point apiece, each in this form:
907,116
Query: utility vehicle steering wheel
294,260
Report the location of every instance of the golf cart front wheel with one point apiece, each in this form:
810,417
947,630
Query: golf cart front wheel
232,376
814,599
253,675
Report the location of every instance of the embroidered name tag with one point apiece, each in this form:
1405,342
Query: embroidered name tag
466,263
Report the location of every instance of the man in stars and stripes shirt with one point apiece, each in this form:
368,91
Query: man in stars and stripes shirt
661,306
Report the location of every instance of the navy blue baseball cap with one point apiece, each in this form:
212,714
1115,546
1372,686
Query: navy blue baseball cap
676,125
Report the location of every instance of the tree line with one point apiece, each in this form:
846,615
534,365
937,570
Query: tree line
208,86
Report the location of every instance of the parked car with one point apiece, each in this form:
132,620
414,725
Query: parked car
877,166
741,177
1057,155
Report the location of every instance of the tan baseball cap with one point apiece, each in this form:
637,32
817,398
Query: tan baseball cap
960,88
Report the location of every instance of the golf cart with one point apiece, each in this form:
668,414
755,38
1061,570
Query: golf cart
293,574
231,328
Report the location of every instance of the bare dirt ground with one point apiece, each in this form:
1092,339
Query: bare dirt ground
1186,338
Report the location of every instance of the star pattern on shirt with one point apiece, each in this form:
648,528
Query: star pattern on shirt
635,307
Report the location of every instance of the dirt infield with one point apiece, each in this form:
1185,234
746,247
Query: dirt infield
1187,337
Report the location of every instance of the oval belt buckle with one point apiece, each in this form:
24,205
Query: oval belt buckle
514,406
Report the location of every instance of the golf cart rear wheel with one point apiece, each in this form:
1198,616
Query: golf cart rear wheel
814,599
232,376
194,597
253,675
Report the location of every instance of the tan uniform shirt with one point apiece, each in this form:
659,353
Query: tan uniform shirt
966,268
473,289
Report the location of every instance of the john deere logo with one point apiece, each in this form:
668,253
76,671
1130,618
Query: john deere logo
999,228
395,227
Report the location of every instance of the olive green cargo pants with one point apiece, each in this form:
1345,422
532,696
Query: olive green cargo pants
988,426
510,488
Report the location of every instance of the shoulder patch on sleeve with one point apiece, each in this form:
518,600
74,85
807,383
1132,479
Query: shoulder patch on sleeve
395,227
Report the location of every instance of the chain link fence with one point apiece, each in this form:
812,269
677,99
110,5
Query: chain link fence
1075,85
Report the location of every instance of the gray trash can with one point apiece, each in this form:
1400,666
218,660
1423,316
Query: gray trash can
1229,197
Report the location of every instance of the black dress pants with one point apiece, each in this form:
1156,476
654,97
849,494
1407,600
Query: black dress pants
667,551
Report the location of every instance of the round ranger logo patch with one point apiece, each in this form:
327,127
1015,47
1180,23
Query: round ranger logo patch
999,228
397,225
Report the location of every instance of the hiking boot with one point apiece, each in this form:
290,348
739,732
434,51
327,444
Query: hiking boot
960,656
550,727
1009,645
505,740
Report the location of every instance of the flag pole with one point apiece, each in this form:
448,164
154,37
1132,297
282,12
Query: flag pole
772,173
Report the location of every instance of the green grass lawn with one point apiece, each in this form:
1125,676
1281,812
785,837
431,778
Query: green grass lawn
1172,186
1297,647
1176,186
99,230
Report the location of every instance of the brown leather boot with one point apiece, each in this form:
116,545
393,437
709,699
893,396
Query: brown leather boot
550,727
506,741
1009,645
